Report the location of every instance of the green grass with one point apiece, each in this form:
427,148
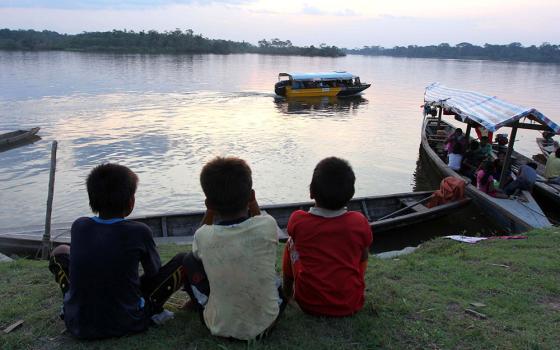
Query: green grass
413,302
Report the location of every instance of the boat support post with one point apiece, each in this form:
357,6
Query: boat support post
507,163
439,117
468,132
46,245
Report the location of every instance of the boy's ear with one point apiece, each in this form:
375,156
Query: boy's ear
207,204
131,203
252,197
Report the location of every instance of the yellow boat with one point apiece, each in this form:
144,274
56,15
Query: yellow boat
318,84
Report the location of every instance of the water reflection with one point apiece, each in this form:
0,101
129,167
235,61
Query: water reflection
328,104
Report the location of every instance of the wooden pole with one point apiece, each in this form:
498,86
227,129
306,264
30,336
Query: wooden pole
46,246
507,162
439,117
468,132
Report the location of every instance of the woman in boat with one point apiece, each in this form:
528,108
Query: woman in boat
485,180
456,137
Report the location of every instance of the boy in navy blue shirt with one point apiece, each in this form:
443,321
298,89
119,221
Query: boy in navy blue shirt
103,293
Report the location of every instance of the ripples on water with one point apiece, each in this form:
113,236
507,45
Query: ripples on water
165,116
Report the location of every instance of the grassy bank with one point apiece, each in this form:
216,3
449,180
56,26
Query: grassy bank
415,301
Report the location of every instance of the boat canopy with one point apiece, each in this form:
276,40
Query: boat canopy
488,111
318,76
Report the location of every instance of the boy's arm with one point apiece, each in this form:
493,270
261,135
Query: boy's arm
150,260
287,275
364,261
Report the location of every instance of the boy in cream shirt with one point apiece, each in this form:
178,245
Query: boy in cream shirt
237,247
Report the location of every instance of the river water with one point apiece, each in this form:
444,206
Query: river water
164,116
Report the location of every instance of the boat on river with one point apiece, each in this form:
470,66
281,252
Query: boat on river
332,84
385,213
10,139
547,146
478,110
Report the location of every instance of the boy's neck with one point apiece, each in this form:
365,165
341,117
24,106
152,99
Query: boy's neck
242,214
105,216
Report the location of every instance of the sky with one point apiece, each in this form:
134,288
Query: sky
350,23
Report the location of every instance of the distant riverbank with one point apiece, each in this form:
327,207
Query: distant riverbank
175,42
545,53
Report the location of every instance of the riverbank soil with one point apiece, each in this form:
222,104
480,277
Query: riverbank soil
502,294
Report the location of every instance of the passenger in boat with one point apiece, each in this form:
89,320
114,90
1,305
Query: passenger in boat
237,247
104,296
456,137
326,255
498,166
525,179
485,147
552,169
485,180
471,161
455,157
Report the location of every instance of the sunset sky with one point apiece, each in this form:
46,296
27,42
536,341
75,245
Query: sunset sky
351,23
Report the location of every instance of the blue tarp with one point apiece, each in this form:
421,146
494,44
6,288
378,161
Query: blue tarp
319,76
488,111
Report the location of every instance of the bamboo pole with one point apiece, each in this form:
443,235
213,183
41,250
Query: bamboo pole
46,246
507,162
439,117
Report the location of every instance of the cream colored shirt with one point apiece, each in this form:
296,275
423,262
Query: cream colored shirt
552,168
240,262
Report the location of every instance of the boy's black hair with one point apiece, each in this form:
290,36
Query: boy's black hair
227,184
474,145
533,165
332,185
557,153
110,189
459,130
457,148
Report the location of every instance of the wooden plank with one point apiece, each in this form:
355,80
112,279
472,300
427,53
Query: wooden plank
13,326
164,226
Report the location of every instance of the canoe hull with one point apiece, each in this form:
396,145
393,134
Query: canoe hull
180,227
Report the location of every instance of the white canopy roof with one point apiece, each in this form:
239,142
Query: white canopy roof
488,111
319,76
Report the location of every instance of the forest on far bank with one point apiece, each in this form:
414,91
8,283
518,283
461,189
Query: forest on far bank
545,52
152,41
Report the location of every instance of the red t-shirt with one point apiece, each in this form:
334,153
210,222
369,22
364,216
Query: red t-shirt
328,279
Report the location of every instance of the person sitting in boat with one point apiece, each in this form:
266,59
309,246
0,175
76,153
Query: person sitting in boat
498,166
525,179
456,137
103,293
552,169
238,253
471,161
485,180
455,158
485,149
326,255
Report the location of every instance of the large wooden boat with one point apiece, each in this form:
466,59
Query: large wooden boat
513,215
475,109
385,214
331,84
15,137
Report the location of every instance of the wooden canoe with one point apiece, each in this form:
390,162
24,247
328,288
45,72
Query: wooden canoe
544,188
512,215
546,148
18,136
180,227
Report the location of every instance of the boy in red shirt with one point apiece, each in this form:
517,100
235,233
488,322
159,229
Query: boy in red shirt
325,258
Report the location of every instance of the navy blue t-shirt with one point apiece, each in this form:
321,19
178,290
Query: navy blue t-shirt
104,299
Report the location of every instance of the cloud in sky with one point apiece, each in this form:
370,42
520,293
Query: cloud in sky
352,23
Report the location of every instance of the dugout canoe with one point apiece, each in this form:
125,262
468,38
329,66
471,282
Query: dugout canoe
408,208
512,215
19,136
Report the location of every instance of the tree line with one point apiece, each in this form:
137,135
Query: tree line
546,52
152,41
